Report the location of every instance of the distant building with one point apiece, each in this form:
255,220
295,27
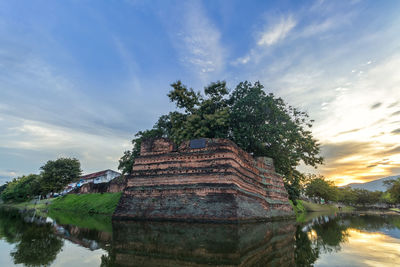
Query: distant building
99,177
96,178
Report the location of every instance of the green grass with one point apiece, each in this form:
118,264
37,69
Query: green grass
87,203
299,210
314,207
304,209
309,206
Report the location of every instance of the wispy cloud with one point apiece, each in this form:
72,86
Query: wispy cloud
277,32
198,41
396,113
376,105
274,32
95,151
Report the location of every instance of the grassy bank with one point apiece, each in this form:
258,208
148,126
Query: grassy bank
304,207
314,207
87,203
79,204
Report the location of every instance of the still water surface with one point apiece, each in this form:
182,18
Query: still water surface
322,240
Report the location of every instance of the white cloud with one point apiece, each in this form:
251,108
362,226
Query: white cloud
95,151
319,27
273,34
277,32
199,43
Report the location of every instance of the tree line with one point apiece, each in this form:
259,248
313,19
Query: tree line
54,176
319,188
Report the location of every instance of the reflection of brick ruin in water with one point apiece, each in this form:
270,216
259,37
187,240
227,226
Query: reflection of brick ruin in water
202,180
199,244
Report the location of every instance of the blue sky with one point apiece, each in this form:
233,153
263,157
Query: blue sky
79,78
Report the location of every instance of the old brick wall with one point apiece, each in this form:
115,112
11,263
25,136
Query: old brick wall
202,180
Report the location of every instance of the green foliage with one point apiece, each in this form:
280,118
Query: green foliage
347,196
394,190
299,210
3,187
266,126
259,123
387,198
362,197
22,188
202,116
87,203
365,197
58,173
319,187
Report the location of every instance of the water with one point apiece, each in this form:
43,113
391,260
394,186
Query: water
322,240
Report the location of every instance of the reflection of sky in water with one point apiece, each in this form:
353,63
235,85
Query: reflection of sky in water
364,249
395,233
75,255
5,258
71,255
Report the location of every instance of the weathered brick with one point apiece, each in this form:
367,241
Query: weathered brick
208,180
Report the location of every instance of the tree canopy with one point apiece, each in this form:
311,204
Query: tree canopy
394,190
22,188
56,174
321,188
260,123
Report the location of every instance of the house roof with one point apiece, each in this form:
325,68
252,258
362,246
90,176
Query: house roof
94,175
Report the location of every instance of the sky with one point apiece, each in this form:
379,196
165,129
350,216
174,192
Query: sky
80,78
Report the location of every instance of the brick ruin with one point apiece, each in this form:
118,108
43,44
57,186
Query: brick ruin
202,180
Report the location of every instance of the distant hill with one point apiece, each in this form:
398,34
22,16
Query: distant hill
376,185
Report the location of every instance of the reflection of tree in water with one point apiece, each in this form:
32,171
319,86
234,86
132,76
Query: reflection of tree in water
325,234
305,253
330,234
11,225
108,260
373,222
36,245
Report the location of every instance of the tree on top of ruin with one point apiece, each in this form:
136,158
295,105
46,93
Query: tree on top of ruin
259,123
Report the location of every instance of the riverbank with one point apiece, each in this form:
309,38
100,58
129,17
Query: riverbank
87,203
304,207
40,206
97,203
